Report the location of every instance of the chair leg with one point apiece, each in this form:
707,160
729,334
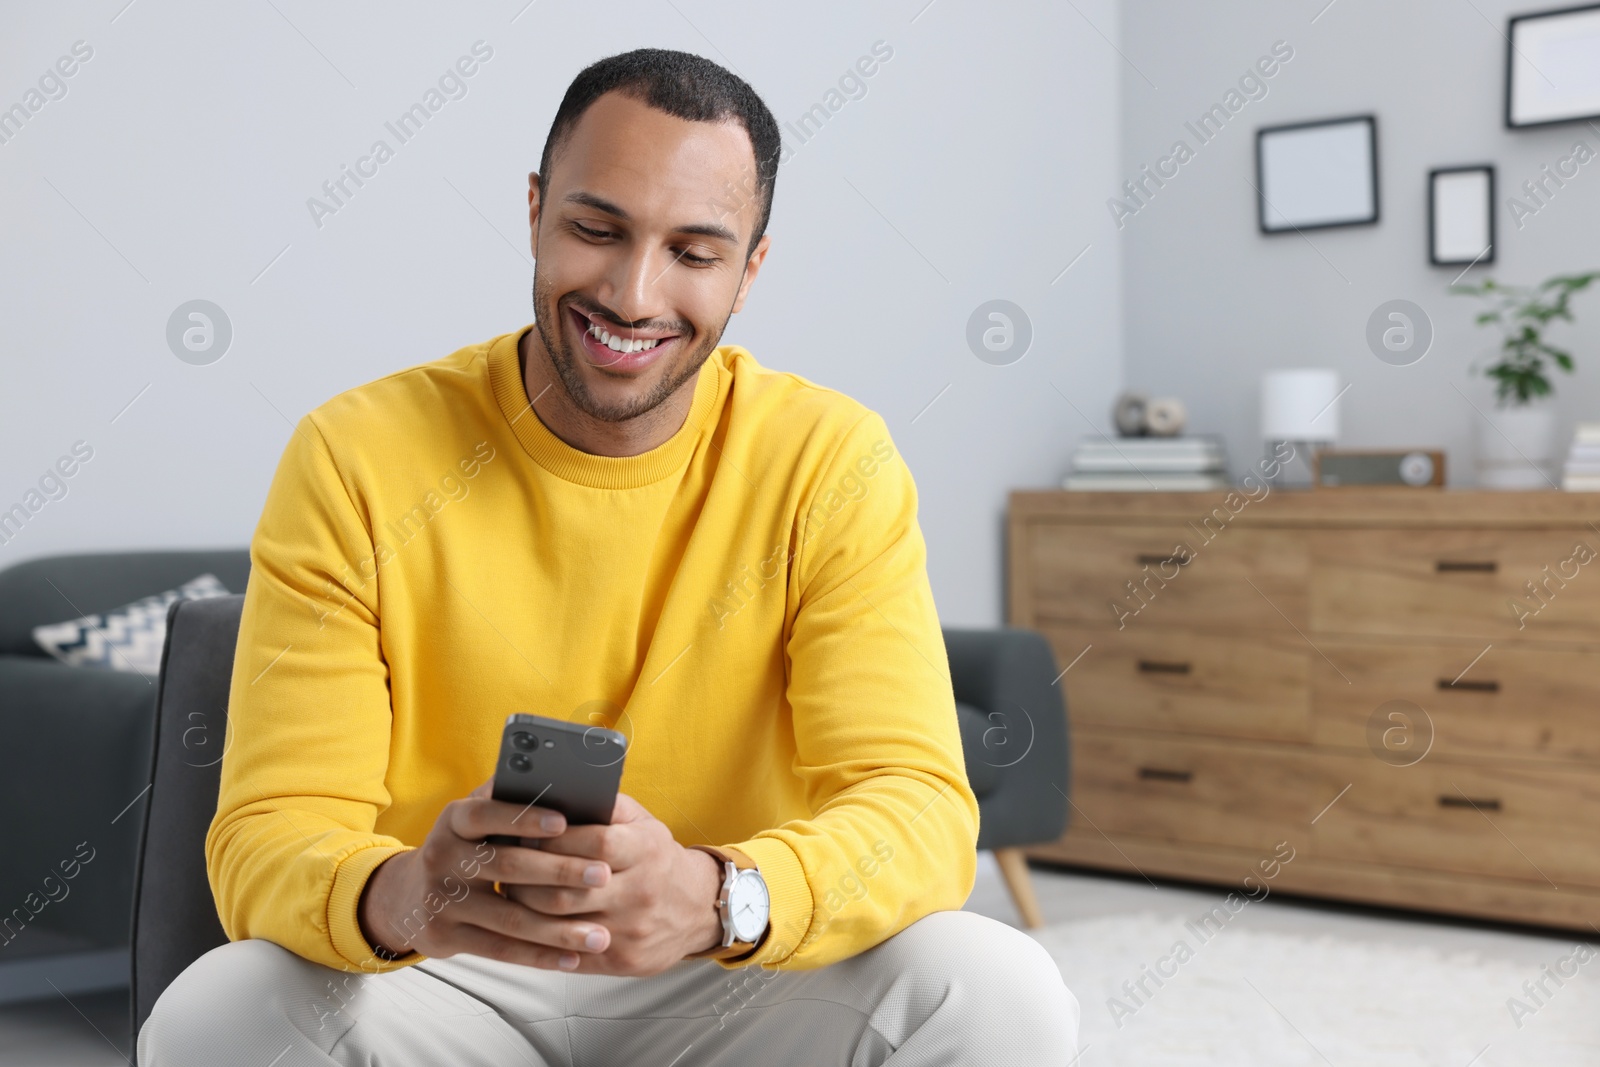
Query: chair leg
1014,868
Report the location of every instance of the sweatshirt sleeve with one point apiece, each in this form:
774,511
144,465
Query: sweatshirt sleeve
292,844
894,833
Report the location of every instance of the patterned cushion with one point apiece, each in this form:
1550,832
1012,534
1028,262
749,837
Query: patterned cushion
128,638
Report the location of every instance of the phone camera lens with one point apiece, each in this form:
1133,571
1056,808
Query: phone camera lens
519,762
524,741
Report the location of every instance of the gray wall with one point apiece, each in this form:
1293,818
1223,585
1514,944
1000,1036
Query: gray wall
1211,303
179,161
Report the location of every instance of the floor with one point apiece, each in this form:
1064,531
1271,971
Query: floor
88,1030
1291,981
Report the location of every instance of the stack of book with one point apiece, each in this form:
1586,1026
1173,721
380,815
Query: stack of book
1582,472
1146,464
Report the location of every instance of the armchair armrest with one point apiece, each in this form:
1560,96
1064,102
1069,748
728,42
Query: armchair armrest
77,745
1008,675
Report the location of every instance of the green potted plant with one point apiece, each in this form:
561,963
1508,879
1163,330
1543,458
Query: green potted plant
1517,450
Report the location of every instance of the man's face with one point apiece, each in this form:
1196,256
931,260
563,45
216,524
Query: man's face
641,237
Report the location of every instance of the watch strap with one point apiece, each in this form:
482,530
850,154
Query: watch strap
740,862
728,855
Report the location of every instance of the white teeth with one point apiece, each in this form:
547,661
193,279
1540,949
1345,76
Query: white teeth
621,344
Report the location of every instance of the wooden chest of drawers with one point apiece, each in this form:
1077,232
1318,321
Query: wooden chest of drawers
1403,685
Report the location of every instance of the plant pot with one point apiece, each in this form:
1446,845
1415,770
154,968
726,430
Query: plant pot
1516,448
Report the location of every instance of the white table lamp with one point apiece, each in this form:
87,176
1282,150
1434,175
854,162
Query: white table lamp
1300,407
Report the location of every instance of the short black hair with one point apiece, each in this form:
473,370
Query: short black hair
683,85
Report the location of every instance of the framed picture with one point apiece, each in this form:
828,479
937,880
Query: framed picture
1461,215
1553,67
1315,175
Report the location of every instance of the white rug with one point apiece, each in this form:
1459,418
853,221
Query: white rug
1250,996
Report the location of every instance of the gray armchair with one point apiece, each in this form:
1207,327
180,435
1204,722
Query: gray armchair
1013,730
174,916
81,738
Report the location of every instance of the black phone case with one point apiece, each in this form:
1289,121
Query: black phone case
565,766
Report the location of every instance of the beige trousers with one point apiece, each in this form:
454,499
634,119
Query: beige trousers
953,988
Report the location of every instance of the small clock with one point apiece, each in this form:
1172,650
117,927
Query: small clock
1415,468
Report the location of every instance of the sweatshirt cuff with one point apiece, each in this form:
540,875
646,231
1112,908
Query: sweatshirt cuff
344,925
791,908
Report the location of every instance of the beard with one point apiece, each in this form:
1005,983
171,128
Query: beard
565,361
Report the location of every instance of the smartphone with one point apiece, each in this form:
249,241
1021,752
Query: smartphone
565,766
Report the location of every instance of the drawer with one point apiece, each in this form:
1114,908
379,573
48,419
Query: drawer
1513,701
1134,575
1193,791
1518,821
1484,584
1160,678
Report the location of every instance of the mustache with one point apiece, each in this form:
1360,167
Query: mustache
602,315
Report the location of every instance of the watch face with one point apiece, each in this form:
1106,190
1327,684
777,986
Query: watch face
748,906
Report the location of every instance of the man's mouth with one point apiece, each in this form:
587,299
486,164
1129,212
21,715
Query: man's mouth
610,347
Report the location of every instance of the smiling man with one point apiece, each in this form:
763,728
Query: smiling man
645,531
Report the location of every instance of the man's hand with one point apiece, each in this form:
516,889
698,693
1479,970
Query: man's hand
659,905
439,899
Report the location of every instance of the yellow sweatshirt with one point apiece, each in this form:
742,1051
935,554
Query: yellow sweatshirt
748,603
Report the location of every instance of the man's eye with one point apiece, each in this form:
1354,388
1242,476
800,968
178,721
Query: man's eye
688,257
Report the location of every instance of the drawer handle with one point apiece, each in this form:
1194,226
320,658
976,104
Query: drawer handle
1162,774
1480,803
1156,666
1485,686
1466,566
1154,559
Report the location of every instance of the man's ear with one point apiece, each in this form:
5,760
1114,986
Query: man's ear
533,211
752,267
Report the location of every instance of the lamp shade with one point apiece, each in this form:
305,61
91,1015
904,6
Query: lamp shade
1300,405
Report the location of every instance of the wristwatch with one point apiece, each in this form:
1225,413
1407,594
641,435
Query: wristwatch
742,904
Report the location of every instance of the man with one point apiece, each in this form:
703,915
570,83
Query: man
609,519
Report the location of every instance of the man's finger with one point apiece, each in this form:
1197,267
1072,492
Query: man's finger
477,941
618,846
628,810
513,865
503,916
568,902
476,818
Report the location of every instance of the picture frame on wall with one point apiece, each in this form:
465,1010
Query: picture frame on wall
1553,67
1461,215
1317,175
